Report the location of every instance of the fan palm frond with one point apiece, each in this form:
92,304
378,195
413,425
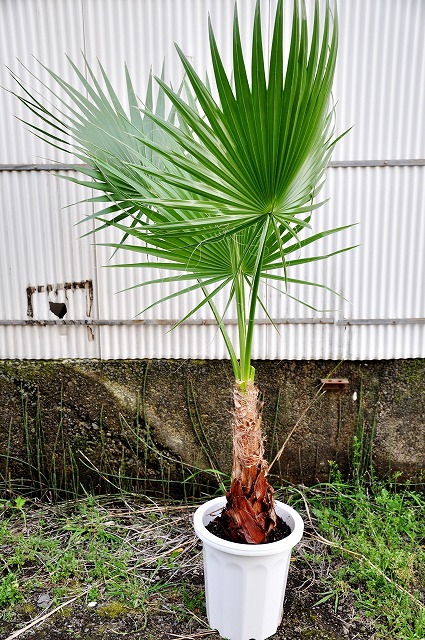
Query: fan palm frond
221,191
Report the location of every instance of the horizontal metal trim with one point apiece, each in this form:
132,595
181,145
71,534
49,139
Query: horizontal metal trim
381,321
41,167
335,164
211,321
412,162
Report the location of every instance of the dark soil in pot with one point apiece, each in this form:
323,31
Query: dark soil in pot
279,533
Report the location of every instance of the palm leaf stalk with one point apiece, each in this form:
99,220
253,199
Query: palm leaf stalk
220,193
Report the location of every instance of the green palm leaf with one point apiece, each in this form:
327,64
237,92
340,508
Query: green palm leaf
220,191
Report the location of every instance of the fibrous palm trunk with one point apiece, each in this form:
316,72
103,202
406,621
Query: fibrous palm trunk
249,515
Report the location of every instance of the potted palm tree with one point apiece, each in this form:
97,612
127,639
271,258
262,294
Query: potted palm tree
219,190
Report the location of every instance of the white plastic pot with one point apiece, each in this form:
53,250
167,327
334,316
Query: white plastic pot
245,584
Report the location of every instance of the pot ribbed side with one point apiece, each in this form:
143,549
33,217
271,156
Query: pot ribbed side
245,584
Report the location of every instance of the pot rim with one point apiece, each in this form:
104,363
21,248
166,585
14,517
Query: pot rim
236,548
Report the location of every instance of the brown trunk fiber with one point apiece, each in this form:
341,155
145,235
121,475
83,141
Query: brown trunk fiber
249,515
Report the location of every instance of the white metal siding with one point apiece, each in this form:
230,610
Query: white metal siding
380,90
42,252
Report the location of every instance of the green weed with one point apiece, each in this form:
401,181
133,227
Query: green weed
55,471
380,537
92,546
10,590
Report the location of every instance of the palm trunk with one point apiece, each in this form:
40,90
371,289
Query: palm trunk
249,515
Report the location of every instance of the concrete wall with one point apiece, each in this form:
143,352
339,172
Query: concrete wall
152,419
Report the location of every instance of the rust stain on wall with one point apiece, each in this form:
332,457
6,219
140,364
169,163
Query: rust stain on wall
86,285
30,308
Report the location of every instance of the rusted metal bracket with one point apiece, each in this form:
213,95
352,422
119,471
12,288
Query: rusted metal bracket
330,384
54,288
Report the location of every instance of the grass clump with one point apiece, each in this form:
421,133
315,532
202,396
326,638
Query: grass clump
97,548
376,534
10,592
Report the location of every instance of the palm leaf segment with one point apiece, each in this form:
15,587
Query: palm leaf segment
96,129
252,163
221,190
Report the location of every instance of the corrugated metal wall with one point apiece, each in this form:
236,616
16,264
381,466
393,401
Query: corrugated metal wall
376,179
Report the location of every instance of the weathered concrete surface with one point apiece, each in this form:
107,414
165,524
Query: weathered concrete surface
150,419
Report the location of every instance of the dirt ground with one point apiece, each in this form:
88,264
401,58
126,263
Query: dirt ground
300,621
179,613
